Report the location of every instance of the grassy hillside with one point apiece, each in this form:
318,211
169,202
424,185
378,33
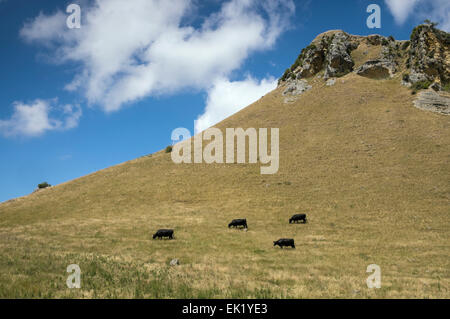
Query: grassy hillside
370,170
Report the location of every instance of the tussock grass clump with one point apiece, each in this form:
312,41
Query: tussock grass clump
421,85
446,87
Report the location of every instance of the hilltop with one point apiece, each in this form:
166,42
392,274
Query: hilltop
359,155
423,62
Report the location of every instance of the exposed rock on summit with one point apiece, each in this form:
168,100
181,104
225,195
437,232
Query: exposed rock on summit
338,59
419,63
329,52
377,69
429,55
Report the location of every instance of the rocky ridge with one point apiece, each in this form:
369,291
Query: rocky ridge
422,62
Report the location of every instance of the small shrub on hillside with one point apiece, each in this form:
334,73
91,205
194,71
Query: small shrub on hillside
285,75
168,149
43,185
446,87
421,85
406,77
415,31
296,64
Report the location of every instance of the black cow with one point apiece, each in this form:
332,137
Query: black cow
284,242
298,217
238,222
163,233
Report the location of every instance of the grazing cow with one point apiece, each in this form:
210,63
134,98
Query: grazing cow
238,222
284,242
298,217
163,233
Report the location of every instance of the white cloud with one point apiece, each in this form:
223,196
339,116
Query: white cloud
435,10
226,98
132,49
401,9
40,116
45,28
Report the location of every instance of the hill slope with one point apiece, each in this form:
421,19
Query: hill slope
370,170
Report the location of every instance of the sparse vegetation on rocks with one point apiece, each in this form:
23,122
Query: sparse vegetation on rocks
331,53
429,55
421,85
405,45
446,87
425,56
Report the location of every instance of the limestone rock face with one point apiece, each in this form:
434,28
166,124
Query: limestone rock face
429,55
312,61
294,89
377,69
418,63
375,39
329,53
338,59
430,100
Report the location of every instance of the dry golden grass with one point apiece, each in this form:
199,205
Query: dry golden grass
365,52
370,170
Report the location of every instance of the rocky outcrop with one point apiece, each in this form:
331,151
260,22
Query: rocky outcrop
174,262
310,61
377,69
375,39
329,53
429,55
424,60
338,59
390,49
295,88
431,100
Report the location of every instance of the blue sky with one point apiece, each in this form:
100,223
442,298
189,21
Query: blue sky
73,101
